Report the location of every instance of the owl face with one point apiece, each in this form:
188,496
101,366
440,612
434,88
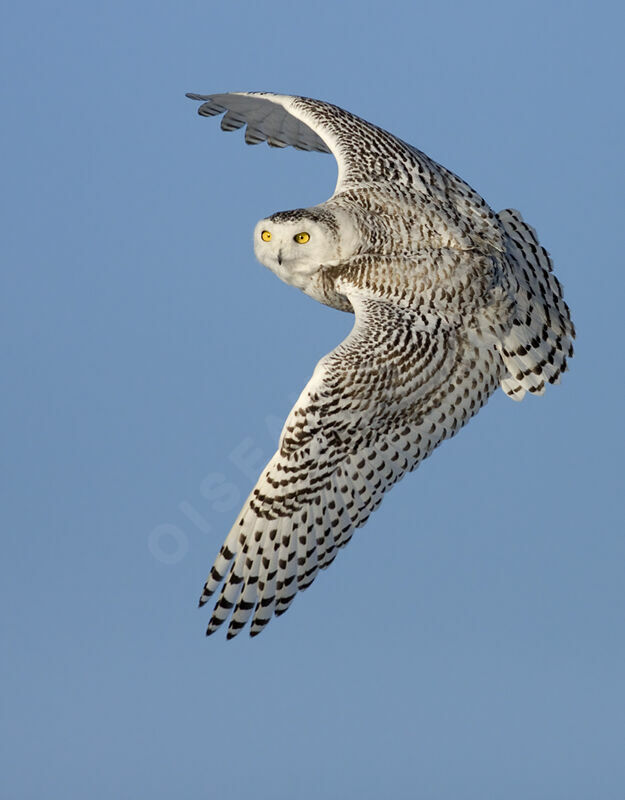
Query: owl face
296,244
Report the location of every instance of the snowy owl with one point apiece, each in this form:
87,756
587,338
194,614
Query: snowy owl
450,300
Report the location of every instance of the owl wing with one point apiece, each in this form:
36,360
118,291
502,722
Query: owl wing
367,156
377,405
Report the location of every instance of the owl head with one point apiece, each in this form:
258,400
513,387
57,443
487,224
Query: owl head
297,244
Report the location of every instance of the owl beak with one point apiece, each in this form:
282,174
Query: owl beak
280,257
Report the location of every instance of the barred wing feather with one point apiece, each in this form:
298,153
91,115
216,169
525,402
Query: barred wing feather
376,406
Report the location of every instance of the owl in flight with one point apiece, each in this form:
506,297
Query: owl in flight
450,301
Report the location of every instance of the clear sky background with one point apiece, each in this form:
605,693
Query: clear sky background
469,643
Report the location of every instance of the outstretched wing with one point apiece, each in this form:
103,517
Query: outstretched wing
370,160
306,124
401,383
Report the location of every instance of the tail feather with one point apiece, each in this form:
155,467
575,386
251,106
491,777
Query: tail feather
536,349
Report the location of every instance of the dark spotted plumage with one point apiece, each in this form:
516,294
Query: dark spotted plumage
450,300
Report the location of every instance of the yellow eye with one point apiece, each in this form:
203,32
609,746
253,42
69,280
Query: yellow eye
265,236
302,238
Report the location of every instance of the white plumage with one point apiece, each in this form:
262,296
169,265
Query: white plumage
450,301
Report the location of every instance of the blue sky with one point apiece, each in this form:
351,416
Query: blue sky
469,643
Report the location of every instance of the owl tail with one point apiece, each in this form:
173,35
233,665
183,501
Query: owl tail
540,341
